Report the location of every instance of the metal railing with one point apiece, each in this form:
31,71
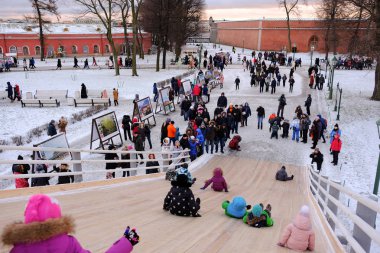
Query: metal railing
182,157
327,193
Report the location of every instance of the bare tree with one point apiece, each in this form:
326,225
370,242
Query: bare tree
41,8
291,8
125,6
105,10
135,8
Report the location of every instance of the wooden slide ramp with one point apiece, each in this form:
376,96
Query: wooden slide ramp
103,211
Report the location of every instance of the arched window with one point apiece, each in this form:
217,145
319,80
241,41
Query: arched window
38,50
85,49
313,42
74,49
50,51
1,50
96,49
13,49
107,49
25,50
61,49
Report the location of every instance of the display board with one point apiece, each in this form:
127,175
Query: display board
104,129
56,141
144,111
163,102
187,87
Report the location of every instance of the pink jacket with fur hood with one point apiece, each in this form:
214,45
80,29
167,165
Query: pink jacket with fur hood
299,234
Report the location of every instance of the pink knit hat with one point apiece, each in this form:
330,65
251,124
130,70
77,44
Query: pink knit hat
40,207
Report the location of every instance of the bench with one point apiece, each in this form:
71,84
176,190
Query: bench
91,93
40,102
50,94
92,101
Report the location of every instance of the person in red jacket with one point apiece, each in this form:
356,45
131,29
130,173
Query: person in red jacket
196,93
336,146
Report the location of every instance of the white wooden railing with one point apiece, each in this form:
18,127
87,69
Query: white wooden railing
328,194
181,159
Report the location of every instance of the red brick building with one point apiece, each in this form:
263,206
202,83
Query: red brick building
272,34
63,40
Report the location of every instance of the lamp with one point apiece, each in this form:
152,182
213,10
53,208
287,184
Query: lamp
312,51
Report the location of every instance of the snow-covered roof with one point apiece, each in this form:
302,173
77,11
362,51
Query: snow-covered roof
27,28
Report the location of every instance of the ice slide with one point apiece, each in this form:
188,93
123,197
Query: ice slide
103,209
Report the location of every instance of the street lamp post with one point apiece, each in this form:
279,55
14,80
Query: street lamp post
376,185
332,69
336,97
340,100
200,56
243,46
327,63
311,58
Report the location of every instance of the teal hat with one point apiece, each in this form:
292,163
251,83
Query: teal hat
257,210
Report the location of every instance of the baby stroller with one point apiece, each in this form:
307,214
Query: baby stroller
234,143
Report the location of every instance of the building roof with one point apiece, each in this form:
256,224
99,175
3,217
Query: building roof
57,28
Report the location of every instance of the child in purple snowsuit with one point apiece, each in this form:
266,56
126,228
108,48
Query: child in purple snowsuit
218,182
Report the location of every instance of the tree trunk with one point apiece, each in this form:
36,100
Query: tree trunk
376,91
42,39
158,56
141,44
352,47
134,27
289,39
115,58
327,45
127,47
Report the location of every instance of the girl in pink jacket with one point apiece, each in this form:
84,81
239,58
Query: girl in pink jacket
299,235
218,182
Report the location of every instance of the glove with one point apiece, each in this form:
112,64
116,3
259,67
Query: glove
132,236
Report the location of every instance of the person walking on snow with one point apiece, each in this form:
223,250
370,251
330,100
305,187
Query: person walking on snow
308,104
75,62
336,146
284,80
281,105
237,83
115,97
295,126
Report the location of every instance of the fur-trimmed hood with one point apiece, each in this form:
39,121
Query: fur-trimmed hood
18,232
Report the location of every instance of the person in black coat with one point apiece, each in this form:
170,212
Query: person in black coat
222,101
59,64
180,199
64,179
51,129
40,181
184,142
281,105
10,91
285,129
83,91
185,107
236,113
111,156
126,165
126,125
152,163
282,175
273,86
75,62
308,104
317,157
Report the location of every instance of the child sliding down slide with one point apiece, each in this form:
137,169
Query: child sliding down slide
218,182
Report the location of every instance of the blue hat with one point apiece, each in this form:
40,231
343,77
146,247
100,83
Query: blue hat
257,210
237,207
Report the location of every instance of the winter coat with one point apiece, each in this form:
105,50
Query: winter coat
317,158
210,133
260,111
332,134
62,123
275,128
236,113
186,104
51,235
222,101
40,181
184,143
83,91
111,156
125,165
299,235
282,101
171,131
236,209
126,122
51,130
196,90
121,245
115,95
336,145
285,127
282,175
65,179
180,199
295,125
246,111
305,123
21,169
139,145
200,136
218,182
193,148
308,101
152,163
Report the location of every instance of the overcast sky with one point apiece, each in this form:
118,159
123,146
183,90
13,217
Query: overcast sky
218,9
